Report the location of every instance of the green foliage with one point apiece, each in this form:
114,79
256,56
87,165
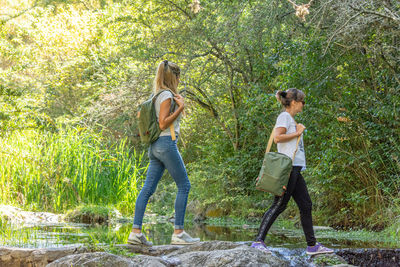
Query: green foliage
12,237
91,62
57,171
392,231
95,237
90,214
326,260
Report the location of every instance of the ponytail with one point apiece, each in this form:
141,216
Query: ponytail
280,95
286,97
159,79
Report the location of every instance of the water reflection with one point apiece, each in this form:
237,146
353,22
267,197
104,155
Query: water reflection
160,234
58,235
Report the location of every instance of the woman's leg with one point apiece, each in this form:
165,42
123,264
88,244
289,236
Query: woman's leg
303,201
175,166
154,174
278,206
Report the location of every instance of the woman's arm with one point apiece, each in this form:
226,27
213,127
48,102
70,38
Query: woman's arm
165,119
281,136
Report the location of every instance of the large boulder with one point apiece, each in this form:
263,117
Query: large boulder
103,259
207,246
239,256
28,257
151,251
204,254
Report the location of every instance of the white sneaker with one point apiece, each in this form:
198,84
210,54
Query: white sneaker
138,239
183,239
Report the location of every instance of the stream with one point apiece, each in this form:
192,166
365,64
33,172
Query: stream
288,244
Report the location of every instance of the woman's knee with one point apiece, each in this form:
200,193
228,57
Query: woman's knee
306,207
185,186
147,191
281,208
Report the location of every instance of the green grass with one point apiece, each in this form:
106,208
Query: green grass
11,236
57,171
91,214
94,237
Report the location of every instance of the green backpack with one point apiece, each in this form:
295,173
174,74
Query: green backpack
149,128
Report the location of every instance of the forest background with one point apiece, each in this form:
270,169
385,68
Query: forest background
72,74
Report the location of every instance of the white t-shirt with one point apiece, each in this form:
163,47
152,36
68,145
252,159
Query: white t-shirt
161,98
285,120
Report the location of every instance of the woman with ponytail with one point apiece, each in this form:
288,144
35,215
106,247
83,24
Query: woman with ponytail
164,154
285,135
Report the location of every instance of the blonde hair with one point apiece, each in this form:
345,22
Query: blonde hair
286,97
166,76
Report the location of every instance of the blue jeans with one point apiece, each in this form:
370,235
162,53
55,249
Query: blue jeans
163,153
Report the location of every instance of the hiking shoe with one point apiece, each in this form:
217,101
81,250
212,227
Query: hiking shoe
318,249
183,239
261,246
138,239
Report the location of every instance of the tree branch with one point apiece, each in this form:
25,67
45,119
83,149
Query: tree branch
181,9
182,55
341,27
213,112
363,11
3,21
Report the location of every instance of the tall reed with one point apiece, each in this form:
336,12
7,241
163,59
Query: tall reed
56,171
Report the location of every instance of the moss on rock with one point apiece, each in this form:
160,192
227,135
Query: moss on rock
91,214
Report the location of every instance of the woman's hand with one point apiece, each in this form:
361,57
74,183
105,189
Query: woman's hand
281,136
300,129
165,118
180,101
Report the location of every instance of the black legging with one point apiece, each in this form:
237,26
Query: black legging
297,189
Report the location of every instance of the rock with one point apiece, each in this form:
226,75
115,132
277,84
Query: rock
204,254
152,251
103,259
241,255
195,207
323,228
328,260
206,246
27,257
371,256
214,212
92,214
213,253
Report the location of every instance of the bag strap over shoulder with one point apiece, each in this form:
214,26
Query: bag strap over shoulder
161,91
271,138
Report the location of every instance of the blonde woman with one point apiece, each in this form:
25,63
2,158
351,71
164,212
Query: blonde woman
164,154
285,135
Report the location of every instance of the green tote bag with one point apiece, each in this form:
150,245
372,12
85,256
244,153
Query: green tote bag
275,170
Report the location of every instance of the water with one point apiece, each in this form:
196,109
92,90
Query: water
64,234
